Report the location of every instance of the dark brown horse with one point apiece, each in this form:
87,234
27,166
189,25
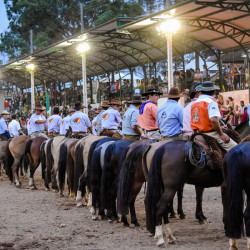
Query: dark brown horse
32,150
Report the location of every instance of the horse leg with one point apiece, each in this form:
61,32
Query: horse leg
81,185
93,209
161,210
233,244
166,228
14,168
133,213
199,213
46,183
171,209
53,180
247,223
32,171
180,197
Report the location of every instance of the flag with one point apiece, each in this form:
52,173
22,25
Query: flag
47,103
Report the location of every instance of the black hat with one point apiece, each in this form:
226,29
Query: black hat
136,99
208,86
152,91
79,105
197,88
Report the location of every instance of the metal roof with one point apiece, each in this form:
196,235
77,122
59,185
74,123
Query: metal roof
128,42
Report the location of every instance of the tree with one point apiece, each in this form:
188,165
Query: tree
53,20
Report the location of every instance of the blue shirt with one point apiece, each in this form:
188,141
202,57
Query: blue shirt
65,125
35,127
129,120
79,122
3,126
53,123
170,118
111,119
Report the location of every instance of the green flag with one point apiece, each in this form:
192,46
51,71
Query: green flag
47,103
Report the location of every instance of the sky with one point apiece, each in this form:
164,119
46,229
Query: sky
3,25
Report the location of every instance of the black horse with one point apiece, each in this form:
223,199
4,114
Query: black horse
236,170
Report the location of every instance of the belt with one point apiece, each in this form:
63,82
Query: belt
165,137
79,132
53,133
110,129
198,131
152,130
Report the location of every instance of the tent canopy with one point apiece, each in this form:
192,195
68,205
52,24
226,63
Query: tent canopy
128,42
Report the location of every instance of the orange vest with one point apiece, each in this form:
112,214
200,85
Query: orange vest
199,116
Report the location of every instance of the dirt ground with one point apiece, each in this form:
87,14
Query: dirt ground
43,220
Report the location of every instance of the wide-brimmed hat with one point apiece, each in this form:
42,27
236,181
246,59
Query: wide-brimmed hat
136,99
79,105
115,102
5,112
71,110
197,88
152,91
174,93
208,86
105,104
39,107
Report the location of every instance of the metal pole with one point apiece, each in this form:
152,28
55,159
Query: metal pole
31,41
170,61
84,84
32,90
82,23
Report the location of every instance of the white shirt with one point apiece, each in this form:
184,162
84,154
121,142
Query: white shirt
187,119
14,126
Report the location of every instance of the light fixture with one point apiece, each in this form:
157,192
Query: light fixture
168,26
30,67
83,47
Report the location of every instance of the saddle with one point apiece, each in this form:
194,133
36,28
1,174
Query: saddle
203,150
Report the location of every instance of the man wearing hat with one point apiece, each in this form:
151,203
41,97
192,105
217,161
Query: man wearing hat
94,121
79,121
148,114
14,127
111,119
187,130
170,116
54,122
66,122
4,132
105,105
37,123
205,116
130,129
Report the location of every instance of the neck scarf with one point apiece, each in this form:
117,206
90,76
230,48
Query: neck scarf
143,106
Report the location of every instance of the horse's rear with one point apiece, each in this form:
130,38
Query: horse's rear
236,170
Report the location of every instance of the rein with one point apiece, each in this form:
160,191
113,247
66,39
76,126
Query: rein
199,163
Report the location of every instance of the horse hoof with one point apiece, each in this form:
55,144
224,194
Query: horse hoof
94,217
55,190
79,204
92,210
33,187
110,221
61,195
137,224
18,185
46,189
182,216
125,224
172,240
160,242
172,215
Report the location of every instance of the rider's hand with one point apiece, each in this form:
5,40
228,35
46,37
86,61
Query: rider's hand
224,137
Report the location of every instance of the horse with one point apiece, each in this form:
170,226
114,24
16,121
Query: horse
236,172
32,150
3,145
13,157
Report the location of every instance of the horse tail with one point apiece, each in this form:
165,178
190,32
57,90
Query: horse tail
70,168
127,174
49,161
95,175
62,166
154,190
78,166
43,158
107,179
24,163
234,190
9,160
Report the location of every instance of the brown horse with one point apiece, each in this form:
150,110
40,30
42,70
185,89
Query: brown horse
32,150
3,145
13,157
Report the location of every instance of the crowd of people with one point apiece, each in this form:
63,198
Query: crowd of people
142,119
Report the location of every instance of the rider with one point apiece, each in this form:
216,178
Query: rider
205,116
105,105
148,114
170,116
54,122
111,119
66,122
187,130
94,121
14,127
79,121
37,122
130,127
4,132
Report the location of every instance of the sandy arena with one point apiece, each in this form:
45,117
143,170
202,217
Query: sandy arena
42,220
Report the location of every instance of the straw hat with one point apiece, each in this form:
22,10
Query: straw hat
115,102
136,99
5,112
152,91
39,107
174,93
105,104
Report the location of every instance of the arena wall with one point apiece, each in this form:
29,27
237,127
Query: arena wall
237,95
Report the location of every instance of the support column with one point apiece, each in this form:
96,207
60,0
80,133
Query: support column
84,84
32,90
220,70
132,82
91,90
197,60
145,76
170,61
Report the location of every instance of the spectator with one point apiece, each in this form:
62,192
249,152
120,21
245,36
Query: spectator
231,102
236,115
197,76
